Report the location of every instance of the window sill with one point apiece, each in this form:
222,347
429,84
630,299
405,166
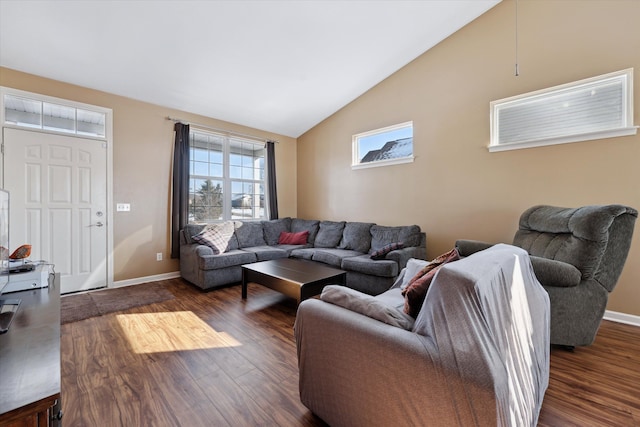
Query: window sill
389,162
612,133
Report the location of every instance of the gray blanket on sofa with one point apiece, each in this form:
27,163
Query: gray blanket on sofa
478,353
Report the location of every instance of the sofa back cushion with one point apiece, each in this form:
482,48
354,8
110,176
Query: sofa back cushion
382,235
273,228
356,236
329,234
191,230
249,234
310,225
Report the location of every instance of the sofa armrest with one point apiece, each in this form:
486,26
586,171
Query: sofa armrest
355,370
470,247
401,256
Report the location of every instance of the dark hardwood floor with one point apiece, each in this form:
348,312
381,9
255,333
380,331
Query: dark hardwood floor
212,359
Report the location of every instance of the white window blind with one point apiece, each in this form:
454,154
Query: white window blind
600,107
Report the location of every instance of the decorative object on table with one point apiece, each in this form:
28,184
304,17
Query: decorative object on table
21,253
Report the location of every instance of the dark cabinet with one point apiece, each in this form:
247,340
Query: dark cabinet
30,360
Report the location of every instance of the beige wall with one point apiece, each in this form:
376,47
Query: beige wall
456,188
142,156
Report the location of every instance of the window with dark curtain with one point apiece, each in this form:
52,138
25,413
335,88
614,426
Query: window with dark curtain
180,186
271,180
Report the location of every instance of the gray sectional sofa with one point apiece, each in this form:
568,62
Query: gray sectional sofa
344,245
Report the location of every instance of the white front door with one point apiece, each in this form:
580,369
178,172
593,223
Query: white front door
58,203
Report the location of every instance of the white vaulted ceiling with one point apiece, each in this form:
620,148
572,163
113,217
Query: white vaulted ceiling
279,66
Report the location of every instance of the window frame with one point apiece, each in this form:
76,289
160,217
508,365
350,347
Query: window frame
227,181
358,139
625,77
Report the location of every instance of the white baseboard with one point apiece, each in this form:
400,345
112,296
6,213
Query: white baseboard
146,279
629,319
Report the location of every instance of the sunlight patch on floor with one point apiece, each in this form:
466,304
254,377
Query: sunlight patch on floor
171,331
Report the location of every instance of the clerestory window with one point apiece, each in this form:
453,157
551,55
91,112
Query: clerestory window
226,178
594,108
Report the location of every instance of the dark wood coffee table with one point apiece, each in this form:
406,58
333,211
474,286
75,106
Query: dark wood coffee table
299,279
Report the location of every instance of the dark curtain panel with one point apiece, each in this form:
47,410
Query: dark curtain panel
272,196
180,187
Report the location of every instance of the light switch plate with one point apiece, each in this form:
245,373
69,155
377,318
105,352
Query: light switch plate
123,207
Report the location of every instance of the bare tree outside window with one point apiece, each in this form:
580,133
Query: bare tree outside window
208,202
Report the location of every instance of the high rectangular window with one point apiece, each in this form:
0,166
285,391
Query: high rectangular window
382,147
594,108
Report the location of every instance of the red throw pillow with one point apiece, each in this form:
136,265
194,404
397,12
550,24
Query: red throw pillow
299,238
416,290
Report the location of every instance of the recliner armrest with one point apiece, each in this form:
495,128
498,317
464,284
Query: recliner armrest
550,272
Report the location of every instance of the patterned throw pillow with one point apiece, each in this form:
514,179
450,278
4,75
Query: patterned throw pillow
416,290
383,251
299,238
214,236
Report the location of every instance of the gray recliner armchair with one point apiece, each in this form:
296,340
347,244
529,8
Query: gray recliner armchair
577,255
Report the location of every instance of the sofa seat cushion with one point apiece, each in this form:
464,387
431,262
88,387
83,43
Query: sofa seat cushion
290,248
364,264
266,253
227,259
302,253
367,305
333,257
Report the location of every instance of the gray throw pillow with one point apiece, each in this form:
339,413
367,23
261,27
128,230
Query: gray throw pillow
249,234
329,234
356,236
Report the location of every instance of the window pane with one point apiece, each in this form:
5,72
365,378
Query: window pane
216,170
215,157
199,154
207,202
22,111
235,160
200,168
235,172
90,123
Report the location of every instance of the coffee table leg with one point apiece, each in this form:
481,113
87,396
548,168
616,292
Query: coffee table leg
244,284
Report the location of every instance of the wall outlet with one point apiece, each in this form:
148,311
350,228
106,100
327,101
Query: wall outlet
159,256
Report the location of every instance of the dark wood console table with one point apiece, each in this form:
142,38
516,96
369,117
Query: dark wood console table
30,360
